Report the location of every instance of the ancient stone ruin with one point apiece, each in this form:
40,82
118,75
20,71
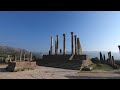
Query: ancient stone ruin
75,56
110,60
22,64
119,48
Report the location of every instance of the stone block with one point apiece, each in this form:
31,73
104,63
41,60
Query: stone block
87,68
21,65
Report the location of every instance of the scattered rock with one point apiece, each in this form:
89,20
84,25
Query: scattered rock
87,68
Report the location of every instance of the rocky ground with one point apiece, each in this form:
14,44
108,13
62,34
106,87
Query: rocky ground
42,72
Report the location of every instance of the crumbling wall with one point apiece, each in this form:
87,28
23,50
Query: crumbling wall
20,66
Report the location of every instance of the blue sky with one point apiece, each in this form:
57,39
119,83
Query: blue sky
31,30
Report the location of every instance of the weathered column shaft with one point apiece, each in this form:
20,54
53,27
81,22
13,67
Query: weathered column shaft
104,57
64,44
57,44
51,46
119,48
55,47
30,56
101,56
113,61
110,56
75,44
21,55
72,43
79,48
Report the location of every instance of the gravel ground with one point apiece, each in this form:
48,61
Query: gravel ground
42,72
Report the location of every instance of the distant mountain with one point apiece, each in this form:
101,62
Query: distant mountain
7,50
10,50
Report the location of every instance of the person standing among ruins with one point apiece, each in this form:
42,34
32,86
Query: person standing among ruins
60,51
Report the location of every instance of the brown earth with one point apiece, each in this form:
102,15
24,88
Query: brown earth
42,72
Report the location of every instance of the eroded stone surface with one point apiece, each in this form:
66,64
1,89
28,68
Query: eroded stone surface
20,65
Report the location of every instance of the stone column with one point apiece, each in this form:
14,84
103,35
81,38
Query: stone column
57,44
104,56
101,57
30,56
72,43
55,47
21,55
75,44
64,44
79,47
110,56
119,48
113,61
24,57
51,46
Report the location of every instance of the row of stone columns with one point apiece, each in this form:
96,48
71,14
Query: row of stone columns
56,46
24,56
111,59
78,49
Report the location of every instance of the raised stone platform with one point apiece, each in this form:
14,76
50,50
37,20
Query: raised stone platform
65,57
56,57
65,61
21,65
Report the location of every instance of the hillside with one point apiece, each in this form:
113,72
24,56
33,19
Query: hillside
4,50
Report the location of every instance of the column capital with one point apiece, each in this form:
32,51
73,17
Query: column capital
64,34
75,35
72,33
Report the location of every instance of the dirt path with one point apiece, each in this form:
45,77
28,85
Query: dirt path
56,73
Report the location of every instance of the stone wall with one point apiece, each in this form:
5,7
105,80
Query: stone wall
19,66
62,61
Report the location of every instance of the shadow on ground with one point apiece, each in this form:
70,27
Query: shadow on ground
90,77
3,69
